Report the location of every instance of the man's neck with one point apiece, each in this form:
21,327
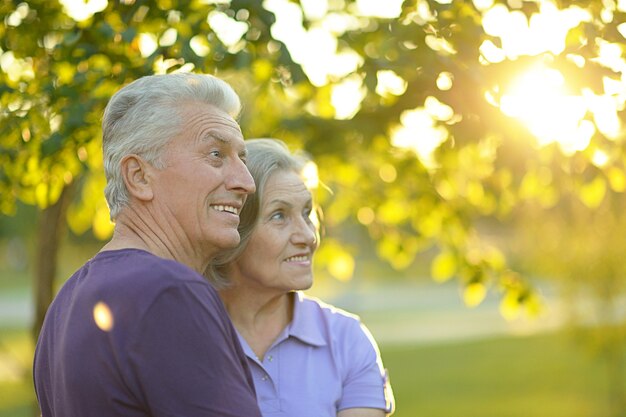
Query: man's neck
135,230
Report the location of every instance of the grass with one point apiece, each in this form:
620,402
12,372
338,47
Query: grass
545,375
537,376
17,398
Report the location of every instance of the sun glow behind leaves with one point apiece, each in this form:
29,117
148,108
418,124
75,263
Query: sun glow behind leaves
540,100
543,32
227,29
387,9
315,48
420,130
81,10
540,97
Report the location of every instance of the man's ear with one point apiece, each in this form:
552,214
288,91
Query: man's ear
135,172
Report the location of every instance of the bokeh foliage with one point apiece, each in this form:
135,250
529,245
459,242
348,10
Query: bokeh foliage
58,72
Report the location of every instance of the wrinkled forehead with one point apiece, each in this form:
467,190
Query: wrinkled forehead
286,184
206,122
225,137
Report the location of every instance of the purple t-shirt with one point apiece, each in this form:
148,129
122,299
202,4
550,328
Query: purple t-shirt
323,362
131,334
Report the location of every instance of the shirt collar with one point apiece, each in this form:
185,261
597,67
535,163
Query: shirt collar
306,325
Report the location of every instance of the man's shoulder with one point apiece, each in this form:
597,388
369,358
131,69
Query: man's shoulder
140,265
132,274
129,283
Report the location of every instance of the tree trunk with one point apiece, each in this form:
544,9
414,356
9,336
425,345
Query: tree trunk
52,224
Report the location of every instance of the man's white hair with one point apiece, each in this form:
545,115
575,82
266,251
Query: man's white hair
142,117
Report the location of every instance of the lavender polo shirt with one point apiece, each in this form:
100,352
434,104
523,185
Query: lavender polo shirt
324,361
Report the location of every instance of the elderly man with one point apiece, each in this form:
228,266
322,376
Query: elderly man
137,331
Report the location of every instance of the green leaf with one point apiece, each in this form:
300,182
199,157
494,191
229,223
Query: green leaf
592,194
444,266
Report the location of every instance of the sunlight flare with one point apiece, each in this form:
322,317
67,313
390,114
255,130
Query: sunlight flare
81,10
540,100
346,97
545,31
419,131
386,9
316,47
310,175
148,44
102,316
228,30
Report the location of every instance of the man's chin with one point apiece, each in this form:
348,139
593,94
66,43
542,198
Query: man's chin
228,241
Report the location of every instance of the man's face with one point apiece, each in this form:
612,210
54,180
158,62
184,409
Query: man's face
204,183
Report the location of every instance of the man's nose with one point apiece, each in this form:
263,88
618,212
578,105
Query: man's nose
240,179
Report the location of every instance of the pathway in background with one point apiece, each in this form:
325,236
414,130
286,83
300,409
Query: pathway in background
397,312
427,312
16,308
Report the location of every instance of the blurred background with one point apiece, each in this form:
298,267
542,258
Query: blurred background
470,164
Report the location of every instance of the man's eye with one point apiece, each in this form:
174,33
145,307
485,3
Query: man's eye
215,154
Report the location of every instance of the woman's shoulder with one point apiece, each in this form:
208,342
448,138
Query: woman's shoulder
333,317
343,331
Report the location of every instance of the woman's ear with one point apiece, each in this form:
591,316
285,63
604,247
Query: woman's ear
135,173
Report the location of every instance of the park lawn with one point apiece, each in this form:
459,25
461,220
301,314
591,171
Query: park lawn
17,398
536,376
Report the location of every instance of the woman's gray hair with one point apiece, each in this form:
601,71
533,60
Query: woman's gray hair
146,114
265,158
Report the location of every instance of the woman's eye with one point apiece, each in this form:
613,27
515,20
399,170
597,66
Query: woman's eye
215,154
277,216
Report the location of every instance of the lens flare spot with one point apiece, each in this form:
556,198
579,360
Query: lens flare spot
366,215
102,316
388,173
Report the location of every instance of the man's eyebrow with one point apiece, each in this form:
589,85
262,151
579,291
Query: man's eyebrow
218,136
224,140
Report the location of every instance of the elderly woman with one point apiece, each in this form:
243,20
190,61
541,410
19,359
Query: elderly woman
307,358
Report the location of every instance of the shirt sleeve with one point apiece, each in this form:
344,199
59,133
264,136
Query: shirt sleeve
184,359
365,384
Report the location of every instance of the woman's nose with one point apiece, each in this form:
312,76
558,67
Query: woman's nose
305,233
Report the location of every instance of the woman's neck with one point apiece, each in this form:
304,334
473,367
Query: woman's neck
259,318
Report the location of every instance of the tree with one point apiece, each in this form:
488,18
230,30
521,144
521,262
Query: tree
60,65
406,119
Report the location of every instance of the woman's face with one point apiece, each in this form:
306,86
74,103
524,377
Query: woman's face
280,250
